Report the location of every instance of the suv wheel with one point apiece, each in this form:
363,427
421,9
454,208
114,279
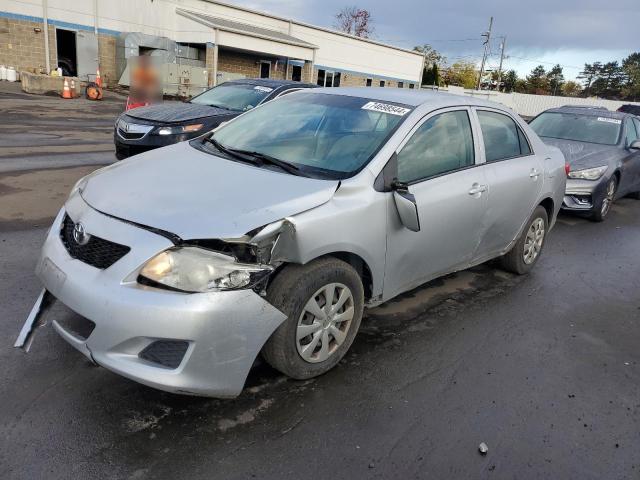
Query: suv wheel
324,301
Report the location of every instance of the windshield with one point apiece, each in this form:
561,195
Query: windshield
332,135
581,128
235,96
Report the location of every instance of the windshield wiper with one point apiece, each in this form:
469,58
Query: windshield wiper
256,158
265,159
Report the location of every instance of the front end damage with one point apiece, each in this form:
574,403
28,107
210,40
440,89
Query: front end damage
190,343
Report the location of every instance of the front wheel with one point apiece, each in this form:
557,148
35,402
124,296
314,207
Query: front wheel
603,206
323,301
525,253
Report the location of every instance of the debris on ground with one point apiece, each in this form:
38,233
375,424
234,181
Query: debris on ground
483,449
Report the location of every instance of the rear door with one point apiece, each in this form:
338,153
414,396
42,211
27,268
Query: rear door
438,162
515,175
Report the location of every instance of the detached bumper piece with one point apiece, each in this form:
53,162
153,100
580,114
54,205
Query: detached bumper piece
34,320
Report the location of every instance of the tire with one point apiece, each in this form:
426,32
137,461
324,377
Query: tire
292,291
122,153
602,207
524,255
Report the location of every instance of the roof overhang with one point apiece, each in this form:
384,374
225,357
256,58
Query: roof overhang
245,29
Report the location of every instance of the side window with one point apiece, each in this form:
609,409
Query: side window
443,143
287,92
637,124
632,135
502,137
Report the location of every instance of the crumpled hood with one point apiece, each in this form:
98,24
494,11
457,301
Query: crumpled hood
175,112
196,195
584,155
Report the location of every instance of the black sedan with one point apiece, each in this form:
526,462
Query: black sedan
146,128
602,150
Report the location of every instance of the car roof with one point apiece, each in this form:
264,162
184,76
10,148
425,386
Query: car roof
589,111
411,97
271,83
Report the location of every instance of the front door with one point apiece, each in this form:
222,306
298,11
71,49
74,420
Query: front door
515,175
630,175
438,162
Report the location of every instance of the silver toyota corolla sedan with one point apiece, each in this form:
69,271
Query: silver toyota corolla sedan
273,233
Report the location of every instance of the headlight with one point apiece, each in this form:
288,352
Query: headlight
588,173
193,269
181,129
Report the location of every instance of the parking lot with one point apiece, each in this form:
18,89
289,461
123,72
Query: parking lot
545,368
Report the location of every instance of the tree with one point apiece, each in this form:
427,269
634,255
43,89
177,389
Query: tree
631,69
556,80
588,75
432,58
431,76
509,80
355,21
537,81
571,89
463,74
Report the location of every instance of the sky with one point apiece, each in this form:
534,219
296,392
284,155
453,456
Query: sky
568,32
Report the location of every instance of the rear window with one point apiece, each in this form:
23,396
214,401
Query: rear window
581,128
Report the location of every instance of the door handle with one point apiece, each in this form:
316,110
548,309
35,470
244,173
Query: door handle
477,189
534,173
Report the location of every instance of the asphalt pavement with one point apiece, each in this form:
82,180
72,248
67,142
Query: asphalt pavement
544,369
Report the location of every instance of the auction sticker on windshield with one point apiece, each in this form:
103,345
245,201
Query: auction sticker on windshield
262,89
386,108
610,120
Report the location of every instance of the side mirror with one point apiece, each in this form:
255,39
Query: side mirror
406,206
635,145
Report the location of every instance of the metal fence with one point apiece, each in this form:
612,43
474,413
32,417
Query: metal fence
531,105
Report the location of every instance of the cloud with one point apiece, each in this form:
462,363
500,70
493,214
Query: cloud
533,29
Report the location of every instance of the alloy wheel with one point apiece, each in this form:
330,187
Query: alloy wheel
533,241
608,198
324,322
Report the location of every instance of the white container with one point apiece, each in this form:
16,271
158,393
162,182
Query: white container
12,76
3,72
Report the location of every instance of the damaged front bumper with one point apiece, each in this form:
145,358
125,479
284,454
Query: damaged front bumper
201,343
581,195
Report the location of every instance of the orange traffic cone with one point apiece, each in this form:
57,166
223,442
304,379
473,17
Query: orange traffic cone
66,92
98,78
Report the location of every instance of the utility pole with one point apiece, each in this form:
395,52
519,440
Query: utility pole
504,41
487,46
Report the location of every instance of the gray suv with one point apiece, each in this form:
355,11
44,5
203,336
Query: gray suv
273,233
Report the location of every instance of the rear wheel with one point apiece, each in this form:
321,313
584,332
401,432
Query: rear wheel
323,301
525,253
603,206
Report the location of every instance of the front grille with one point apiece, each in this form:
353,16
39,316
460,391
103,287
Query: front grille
97,252
168,353
130,135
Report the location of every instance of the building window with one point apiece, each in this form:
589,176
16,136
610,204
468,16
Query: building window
265,69
296,73
382,83
412,86
328,79
369,82
400,84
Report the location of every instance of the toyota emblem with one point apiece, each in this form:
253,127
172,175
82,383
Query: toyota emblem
79,235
